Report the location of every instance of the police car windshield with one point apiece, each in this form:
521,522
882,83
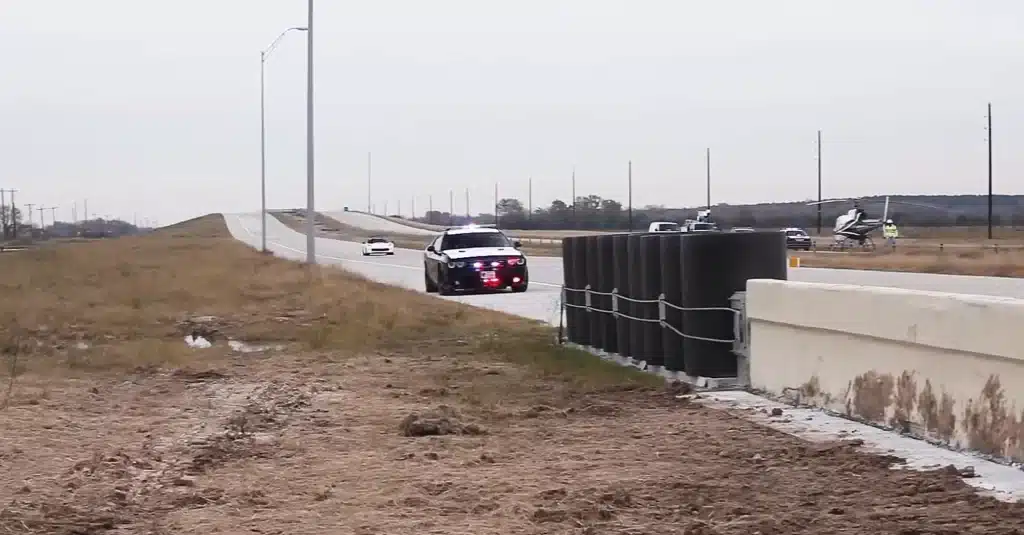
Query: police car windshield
703,226
795,233
475,239
669,227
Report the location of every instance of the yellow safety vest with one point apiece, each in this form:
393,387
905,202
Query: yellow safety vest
890,231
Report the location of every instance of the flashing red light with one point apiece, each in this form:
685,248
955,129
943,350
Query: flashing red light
514,261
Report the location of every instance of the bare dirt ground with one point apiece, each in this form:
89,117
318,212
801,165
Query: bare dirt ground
381,412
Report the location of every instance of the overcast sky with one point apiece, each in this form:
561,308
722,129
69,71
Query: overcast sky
152,106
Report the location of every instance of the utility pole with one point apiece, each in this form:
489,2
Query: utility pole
631,195
399,207
529,214
53,215
385,208
86,209
707,158
12,215
369,169
42,217
497,222
30,205
3,214
575,223
990,170
8,223
414,207
819,182
451,207
467,206
430,207
310,205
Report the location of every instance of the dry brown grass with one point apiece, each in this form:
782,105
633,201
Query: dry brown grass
125,303
139,434
1004,263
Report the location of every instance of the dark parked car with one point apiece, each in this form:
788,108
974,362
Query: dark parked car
474,258
797,238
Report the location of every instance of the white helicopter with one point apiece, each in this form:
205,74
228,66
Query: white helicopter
854,228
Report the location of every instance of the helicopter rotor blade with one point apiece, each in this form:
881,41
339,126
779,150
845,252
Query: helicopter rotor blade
828,202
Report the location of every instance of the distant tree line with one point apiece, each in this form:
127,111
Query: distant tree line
597,213
13,225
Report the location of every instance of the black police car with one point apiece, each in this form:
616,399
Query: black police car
798,239
474,258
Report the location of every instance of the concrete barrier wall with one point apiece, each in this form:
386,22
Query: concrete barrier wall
943,366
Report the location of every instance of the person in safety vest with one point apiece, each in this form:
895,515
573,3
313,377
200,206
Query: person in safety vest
890,232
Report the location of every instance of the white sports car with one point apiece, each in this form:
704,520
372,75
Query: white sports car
378,245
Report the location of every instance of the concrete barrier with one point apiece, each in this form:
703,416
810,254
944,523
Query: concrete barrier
942,366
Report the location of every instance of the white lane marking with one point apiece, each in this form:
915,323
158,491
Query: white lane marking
415,268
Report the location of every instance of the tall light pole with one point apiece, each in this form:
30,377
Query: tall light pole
310,205
369,170
707,158
574,223
631,195
819,183
497,222
990,170
263,134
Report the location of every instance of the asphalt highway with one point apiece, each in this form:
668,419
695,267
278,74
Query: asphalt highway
405,267
540,302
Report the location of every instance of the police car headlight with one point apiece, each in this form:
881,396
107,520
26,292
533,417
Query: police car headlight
456,264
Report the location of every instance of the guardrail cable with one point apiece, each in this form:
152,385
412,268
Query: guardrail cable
588,306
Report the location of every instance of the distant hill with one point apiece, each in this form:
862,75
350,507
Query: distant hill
594,212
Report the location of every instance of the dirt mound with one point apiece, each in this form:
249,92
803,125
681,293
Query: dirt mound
444,420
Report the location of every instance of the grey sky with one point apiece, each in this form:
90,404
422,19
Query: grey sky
151,106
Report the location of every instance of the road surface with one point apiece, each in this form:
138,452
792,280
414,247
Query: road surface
405,268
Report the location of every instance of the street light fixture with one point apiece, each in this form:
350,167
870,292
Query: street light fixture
264,54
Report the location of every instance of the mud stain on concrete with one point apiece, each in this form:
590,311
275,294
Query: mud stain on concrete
811,393
991,425
936,413
872,394
905,400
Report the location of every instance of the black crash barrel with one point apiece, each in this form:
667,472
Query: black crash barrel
595,319
569,280
671,342
606,283
634,252
650,289
580,281
714,266
620,281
